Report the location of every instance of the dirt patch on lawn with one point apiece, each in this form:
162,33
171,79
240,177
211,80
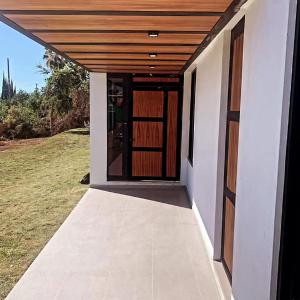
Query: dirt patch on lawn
7,145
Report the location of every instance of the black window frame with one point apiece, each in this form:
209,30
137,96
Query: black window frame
192,117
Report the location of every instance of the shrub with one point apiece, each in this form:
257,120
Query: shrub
2,130
41,127
20,121
3,110
20,97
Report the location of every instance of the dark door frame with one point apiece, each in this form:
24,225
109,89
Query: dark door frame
166,87
232,116
289,264
129,87
126,94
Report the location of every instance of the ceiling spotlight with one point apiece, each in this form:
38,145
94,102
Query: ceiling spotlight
153,33
153,55
152,67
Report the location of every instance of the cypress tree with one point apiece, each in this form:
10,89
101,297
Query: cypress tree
8,88
4,94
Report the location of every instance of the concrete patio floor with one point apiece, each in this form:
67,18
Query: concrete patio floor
124,243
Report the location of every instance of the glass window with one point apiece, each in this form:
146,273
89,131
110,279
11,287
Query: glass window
192,118
115,138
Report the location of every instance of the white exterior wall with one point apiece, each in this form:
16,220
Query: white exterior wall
184,172
98,130
261,120
263,128
201,179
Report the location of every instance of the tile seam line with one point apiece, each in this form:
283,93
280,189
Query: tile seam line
108,278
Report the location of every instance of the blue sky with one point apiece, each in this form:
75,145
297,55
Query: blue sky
24,55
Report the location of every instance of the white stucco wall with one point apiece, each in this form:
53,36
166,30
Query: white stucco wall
201,179
262,107
98,130
262,132
185,130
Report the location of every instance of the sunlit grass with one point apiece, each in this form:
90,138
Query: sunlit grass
39,186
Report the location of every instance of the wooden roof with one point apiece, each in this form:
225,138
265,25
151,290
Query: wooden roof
113,35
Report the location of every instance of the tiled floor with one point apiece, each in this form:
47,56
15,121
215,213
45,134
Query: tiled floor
127,244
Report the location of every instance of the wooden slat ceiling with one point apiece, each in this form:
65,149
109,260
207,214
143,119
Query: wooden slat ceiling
113,35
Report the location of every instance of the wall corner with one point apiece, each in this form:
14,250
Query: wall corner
98,128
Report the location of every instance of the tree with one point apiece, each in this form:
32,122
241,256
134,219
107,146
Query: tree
53,60
8,88
65,80
61,105
20,97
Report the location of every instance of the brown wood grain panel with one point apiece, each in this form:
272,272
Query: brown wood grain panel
237,69
142,56
229,233
148,134
155,79
116,5
148,103
112,70
76,37
147,164
114,22
233,144
126,48
130,62
172,134
135,67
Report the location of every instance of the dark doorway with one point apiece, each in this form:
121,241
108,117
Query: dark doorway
289,264
144,127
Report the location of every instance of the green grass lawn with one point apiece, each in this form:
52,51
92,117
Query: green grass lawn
39,186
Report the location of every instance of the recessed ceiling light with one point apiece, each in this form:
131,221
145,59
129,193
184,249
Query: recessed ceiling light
152,67
153,33
153,55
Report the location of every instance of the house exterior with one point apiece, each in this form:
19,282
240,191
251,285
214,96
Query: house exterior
177,98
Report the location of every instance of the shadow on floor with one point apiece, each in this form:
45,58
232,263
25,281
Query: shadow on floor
171,195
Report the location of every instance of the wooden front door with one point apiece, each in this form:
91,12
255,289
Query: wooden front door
155,133
232,142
